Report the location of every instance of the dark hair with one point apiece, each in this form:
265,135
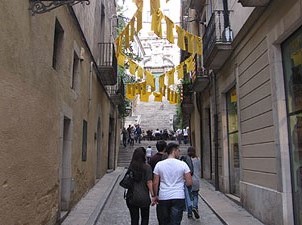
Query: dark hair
191,151
171,146
161,145
138,159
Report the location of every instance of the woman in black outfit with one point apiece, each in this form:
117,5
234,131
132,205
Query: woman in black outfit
142,185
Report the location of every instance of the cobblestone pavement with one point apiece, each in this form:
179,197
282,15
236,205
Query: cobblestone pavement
116,212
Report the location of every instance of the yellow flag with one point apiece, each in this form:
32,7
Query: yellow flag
198,45
181,37
156,23
143,87
190,62
121,59
139,3
163,90
180,71
145,97
170,26
154,5
170,75
132,67
140,72
161,80
132,29
191,42
138,89
139,18
171,97
168,94
126,34
158,97
129,93
149,79
118,43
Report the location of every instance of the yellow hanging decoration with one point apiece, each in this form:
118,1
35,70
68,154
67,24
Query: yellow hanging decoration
158,96
168,94
171,97
145,97
198,45
132,67
129,92
191,43
139,3
163,90
138,89
143,88
140,72
181,38
139,18
121,59
180,71
161,80
170,75
150,79
170,26
132,29
154,6
156,27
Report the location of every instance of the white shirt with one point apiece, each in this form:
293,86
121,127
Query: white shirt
171,172
148,152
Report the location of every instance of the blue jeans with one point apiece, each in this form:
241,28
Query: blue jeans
169,212
194,195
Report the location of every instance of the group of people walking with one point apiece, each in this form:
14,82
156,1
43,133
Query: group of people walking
131,134
165,181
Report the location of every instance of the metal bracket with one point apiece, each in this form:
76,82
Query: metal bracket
43,6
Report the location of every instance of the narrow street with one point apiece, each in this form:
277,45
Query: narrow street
116,212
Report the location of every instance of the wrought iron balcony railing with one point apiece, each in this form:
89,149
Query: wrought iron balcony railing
117,93
107,63
217,38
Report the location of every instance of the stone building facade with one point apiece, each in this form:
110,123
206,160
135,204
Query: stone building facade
59,129
246,118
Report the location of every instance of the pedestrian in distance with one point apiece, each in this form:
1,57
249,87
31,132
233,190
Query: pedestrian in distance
196,179
160,155
124,136
138,197
169,177
149,153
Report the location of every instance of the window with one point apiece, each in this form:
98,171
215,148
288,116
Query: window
84,141
75,77
292,67
57,44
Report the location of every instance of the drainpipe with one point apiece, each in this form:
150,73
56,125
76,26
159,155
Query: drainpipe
215,134
226,13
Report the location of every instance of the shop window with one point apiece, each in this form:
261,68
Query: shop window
292,67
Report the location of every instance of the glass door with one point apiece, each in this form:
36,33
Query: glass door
232,129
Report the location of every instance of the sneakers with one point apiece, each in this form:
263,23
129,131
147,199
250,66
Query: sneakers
190,216
196,214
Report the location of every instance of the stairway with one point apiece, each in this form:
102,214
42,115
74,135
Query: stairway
125,154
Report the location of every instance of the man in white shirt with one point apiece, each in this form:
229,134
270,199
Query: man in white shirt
172,174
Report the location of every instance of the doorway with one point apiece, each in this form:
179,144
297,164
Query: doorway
65,167
98,150
233,149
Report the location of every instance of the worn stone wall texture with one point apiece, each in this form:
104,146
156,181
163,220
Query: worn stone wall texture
34,100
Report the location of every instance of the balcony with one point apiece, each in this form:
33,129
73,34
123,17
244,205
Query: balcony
116,93
107,63
254,3
200,81
217,41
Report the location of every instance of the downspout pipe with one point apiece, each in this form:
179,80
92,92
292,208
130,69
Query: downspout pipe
216,144
226,13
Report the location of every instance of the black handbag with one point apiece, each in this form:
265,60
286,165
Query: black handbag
138,195
128,179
